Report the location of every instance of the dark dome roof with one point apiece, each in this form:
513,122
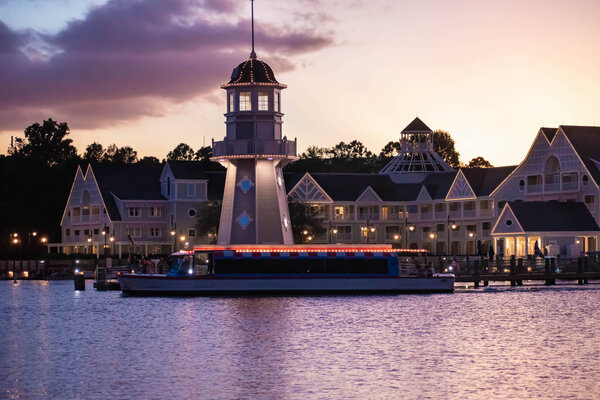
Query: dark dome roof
252,71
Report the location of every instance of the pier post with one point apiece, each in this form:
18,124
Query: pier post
79,281
476,273
550,264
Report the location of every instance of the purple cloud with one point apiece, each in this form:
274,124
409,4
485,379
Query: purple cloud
128,58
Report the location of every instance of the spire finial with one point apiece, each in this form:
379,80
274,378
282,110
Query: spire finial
252,54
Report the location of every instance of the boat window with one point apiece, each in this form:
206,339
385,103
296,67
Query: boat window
223,266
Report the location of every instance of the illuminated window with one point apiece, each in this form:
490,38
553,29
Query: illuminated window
245,103
155,211
231,99
277,105
263,101
76,212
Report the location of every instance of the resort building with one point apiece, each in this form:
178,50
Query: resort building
551,197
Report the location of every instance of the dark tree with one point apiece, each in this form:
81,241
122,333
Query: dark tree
48,143
149,160
207,221
391,149
94,153
443,144
120,155
346,151
479,162
203,153
315,152
182,152
305,218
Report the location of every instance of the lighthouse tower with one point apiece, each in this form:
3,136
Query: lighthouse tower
254,209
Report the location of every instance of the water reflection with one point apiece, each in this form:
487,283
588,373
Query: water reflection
496,342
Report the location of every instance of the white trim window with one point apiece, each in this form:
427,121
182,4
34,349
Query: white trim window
134,211
154,232
191,190
245,101
263,101
134,232
154,212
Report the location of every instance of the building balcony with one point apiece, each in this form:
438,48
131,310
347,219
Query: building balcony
535,188
569,186
426,215
551,186
252,147
468,213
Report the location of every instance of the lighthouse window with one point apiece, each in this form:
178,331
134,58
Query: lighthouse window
277,102
263,101
231,102
245,103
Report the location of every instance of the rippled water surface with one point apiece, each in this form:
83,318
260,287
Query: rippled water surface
497,342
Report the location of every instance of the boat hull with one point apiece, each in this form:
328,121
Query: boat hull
206,286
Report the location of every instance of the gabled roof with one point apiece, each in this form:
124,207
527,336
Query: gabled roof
348,187
551,216
483,181
127,182
216,184
416,126
188,169
549,132
586,141
439,184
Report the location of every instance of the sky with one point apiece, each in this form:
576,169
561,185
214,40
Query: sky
146,73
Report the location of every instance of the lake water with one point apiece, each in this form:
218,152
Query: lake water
490,343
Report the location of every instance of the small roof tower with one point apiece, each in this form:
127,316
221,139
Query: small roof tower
417,158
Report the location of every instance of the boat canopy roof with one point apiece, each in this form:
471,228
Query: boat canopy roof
383,248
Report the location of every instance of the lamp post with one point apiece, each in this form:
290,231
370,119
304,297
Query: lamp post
173,233
105,234
89,240
332,232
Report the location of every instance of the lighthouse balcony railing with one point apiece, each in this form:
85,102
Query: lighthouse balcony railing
240,147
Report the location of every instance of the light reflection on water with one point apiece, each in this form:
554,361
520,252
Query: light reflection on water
496,342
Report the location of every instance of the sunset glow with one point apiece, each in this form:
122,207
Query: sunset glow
147,73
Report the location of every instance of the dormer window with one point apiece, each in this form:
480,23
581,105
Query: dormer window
245,101
263,101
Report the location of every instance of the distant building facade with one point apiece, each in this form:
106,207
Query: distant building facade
552,197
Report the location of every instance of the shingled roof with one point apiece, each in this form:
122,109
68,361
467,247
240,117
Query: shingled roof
127,182
483,181
188,169
348,186
416,126
586,141
439,184
549,133
551,216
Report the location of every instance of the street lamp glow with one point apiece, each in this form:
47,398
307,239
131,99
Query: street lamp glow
373,229
173,233
305,232
15,241
335,231
182,238
44,239
453,226
411,228
309,238
89,240
396,237
471,234
34,233
112,239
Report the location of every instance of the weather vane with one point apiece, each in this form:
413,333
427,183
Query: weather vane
252,54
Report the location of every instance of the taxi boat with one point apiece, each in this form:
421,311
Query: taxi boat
275,269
